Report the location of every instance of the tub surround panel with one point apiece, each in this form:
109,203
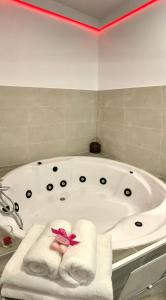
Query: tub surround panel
38,123
131,125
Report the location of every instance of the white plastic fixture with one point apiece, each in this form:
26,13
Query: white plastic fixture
124,201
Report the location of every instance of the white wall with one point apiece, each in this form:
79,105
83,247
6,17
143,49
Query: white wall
38,50
133,53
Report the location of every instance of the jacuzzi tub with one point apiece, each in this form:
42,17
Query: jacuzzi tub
121,200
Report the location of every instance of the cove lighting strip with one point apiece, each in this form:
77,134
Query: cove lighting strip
75,22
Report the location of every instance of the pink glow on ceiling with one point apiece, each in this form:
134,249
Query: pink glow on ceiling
81,24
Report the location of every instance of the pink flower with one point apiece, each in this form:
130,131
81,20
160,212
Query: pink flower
63,238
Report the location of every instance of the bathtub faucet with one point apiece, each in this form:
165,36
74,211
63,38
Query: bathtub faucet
3,188
9,207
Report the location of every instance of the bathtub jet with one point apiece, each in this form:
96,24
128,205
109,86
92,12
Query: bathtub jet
122,200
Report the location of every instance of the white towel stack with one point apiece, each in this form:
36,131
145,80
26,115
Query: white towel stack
85,269
40,260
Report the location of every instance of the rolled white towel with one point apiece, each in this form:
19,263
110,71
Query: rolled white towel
78,266
41,260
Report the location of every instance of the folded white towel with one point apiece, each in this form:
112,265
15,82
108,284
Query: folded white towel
20,285
41,260
78,266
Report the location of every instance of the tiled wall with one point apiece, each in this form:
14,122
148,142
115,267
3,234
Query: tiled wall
40,123
132,126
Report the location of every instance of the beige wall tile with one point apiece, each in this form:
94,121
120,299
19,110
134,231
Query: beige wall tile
163,143
147,97
151,118
80,95
164,119
80,110
113,149
161,168
38,123
30,97
81,106
13,117
13,136
76,146
39,134
48,98
113,115
43,121
164,96
46,150
80,129
137,137
131,117
45,116
106,131
13,155
143,137
16,97
141,158
113,98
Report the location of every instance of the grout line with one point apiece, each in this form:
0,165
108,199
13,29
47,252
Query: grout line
97,116
162,127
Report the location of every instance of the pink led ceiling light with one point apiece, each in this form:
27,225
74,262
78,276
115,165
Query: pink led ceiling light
81,24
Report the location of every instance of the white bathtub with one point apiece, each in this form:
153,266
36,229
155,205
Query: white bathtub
122,200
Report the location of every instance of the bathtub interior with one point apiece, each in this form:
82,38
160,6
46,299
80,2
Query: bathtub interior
110,194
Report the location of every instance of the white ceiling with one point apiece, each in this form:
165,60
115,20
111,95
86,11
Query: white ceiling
95,8
96,13
101,8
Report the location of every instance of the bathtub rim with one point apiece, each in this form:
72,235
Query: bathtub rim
60,158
